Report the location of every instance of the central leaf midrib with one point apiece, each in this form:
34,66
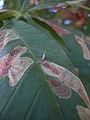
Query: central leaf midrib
30,50
15,91
51,91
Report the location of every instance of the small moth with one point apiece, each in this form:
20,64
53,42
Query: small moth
84,113
60,89
7,35
67,77
86,52
15,66
43,57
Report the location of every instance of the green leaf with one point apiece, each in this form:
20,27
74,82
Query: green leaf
32,98
76,54
77,58
52,31
7,14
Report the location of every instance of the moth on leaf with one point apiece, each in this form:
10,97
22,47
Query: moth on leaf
7,35
86,52
15,66
67,77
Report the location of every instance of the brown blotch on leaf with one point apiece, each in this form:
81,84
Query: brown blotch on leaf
18,69
86,52
7,35
59,89
69,79
14,65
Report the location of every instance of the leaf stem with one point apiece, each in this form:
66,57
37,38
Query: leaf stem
84,7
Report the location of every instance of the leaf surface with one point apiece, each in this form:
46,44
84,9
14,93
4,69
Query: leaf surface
33,95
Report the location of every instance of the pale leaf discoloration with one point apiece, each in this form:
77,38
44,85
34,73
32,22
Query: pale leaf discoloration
7,61
86,52
67,77
18,69
60,89
84,113
15,66
7,35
